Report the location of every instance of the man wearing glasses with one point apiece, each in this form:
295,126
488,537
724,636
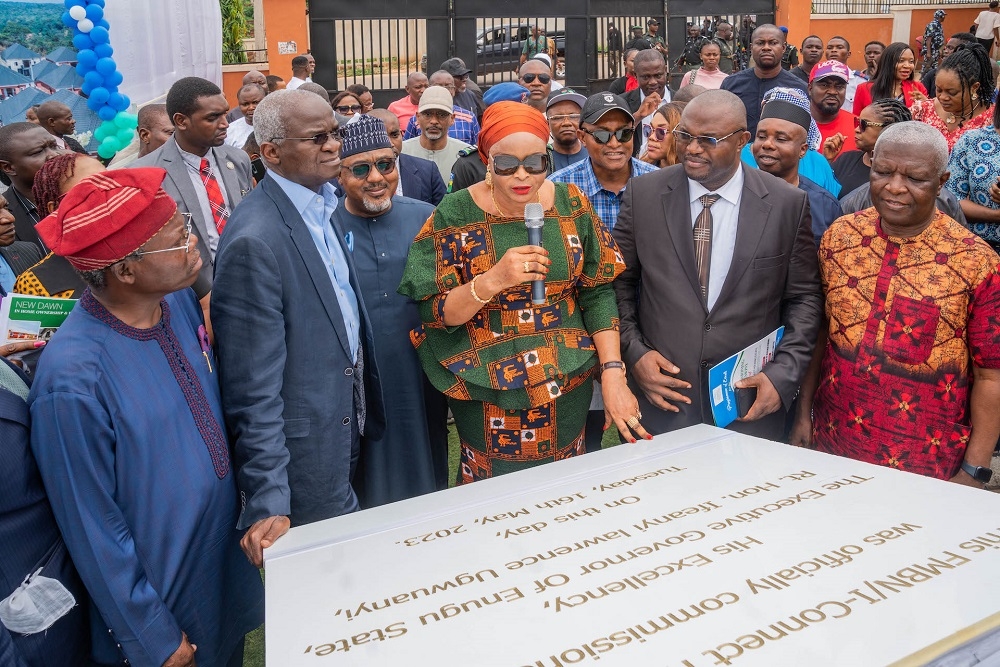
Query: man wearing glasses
536,76
411,456
725,255
563,113
300,384
129,436
607,134
434,116
206,177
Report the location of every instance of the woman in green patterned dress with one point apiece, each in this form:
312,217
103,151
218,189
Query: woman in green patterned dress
518,377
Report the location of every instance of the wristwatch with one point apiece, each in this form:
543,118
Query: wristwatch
978,473
612,364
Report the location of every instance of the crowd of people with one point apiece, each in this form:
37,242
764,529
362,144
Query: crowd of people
281,305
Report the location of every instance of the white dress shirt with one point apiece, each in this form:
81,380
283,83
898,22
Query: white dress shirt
725,218
193,163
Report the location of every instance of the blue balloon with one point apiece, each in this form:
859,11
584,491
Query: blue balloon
104,24
73,3
68,20
115,101
93,103
86,59
126,103
104,50
106,67
100,35
99,3
95,13
114,80
82,41
100,95
107,113
87,88
94,79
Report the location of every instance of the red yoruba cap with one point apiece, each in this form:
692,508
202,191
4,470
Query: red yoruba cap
107,216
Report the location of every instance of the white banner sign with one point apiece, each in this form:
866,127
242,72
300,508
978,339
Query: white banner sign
700,548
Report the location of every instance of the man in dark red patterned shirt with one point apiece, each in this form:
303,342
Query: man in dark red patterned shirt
910,370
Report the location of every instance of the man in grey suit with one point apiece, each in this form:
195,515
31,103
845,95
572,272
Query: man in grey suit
296,352
204,176
724,256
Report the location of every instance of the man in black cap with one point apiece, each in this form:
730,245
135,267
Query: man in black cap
411,457
655,39
606,132
468,95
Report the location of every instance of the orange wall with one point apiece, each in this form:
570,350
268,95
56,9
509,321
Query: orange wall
794,15
857,32
958,20
285,21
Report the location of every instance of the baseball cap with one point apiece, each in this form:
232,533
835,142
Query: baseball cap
455,67
436,97
601,103
828,68
565,95
652,22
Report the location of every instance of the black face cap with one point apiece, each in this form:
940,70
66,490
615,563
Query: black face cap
601,103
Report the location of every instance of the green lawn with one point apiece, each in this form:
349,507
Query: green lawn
254,656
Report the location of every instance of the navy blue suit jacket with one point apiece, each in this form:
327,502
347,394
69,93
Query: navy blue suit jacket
421,179
285,365
31,540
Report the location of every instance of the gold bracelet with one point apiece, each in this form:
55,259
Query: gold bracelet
472,290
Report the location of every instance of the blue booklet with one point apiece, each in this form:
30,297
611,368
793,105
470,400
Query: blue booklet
726,373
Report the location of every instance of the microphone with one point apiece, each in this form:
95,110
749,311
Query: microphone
534,219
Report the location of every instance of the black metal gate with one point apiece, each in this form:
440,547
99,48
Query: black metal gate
379,42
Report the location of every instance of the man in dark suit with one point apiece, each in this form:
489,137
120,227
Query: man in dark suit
24,148
204,176
651,73
725,255
299,381
30,536
418,178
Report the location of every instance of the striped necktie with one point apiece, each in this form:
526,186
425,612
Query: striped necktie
220,212
703,242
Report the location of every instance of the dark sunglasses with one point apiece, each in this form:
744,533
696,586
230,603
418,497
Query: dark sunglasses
658,133
384,165
320,139
863,124
530,78
507,165
351,108
604,136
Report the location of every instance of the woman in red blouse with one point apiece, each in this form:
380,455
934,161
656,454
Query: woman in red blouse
894,79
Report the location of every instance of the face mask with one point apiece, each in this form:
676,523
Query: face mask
36,605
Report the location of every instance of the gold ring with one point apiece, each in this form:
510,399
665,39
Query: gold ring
526,269
632,422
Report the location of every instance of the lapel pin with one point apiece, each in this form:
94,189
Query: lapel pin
230,165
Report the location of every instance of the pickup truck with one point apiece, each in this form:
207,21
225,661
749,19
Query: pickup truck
499,47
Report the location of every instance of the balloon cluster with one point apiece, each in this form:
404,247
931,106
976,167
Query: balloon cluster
101,78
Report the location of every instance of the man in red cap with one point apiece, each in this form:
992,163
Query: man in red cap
128,432
827,89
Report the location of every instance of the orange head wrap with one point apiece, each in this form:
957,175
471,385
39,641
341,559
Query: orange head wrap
504,119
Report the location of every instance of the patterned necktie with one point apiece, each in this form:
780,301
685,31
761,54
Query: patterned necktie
220,212
703,242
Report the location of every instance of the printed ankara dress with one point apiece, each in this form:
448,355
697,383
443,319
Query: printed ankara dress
517,376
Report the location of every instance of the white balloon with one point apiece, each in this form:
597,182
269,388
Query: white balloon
86,25
77,12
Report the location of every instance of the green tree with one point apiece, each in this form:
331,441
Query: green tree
234,30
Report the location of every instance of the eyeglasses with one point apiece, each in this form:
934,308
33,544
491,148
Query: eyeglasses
348,108
572,117
187,238
658,133
384,165
530,78
319,139
507,165
368,106
682,137
604,136
435,113
865,124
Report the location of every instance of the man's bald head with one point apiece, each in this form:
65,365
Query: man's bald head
689,92
56,118
255,76
154,128
442,78
726,106
391,127
933,147
767,30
